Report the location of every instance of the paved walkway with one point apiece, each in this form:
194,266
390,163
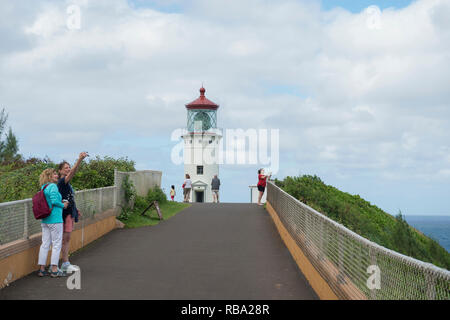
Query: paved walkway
207,251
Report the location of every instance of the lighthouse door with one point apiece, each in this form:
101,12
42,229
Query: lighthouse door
199,196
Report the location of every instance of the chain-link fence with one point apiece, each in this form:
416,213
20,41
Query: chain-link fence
354,267
17,220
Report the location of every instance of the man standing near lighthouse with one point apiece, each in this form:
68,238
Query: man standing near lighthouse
215,185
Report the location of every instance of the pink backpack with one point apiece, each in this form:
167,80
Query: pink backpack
41,209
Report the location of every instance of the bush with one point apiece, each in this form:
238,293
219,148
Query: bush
20,180
130,192
99,172
141,203
156,194
21,183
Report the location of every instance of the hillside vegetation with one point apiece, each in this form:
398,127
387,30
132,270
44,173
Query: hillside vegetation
365,219
20,179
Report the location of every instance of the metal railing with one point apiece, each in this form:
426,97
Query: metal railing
17,220
354,267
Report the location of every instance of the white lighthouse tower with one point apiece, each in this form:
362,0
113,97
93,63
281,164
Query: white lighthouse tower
201,147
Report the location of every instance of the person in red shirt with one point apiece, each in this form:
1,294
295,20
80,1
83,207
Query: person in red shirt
262,181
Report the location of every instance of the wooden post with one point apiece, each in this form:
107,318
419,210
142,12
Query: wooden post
155,204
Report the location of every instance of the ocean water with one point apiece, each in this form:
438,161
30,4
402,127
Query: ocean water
436,227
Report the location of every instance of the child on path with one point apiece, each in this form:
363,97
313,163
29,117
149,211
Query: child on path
172,193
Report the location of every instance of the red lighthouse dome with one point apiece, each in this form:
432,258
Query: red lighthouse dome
202,102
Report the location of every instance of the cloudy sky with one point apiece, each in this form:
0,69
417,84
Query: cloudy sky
358,89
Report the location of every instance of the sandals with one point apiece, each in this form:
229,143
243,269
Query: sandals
42,273
56,274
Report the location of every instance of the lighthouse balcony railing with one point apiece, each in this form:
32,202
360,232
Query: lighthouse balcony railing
211,131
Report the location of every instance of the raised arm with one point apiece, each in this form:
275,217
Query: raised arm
75,167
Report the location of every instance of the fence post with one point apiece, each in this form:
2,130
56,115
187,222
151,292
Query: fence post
431,289
307,232
25,221
341,274
373,261
115,189
100,201
321,255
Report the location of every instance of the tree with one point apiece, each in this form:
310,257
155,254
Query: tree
404,237
10,147
3,118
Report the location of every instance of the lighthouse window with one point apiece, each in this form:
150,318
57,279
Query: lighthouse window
199,169
210,141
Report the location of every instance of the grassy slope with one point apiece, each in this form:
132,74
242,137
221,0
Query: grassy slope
168,210
366,219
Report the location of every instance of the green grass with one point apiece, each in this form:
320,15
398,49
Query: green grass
151,218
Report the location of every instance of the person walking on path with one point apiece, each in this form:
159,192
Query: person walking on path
262,181
187,188
71,213
172,193
215,185
52,226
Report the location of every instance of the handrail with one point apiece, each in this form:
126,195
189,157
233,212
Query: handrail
17,220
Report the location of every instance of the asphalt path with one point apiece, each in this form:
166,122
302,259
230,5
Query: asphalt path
211,251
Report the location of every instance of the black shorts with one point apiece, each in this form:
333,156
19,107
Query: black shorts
261,188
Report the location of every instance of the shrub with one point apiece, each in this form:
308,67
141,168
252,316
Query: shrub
21,183
20,179
125,214
156,194
130,191
141,203
99,172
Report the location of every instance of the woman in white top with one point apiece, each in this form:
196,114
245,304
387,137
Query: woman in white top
187,188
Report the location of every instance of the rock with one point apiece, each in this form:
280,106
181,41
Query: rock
119,224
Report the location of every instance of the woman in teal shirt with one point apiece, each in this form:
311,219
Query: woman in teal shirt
52,226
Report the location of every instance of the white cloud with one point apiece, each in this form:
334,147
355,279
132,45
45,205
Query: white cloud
47,23
370,98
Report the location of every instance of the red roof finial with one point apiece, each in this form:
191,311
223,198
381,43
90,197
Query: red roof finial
202,91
